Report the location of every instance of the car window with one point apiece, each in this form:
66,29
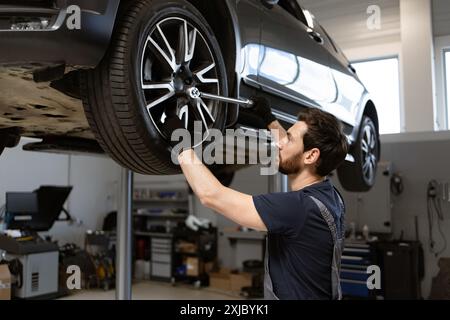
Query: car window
294,9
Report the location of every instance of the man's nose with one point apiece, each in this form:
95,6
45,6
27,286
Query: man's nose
281,143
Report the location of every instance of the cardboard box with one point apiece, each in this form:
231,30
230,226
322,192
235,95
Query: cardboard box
240,280
220,280
187,247
5,282
209,266
194,267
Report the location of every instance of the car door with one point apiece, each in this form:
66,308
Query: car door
349,88
293,60
249,24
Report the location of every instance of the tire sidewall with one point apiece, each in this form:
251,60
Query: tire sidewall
144,24
366,121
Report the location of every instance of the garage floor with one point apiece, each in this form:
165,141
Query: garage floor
148,290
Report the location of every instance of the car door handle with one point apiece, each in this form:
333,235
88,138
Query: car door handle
315,36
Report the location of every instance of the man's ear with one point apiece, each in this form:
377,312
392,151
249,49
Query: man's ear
312,156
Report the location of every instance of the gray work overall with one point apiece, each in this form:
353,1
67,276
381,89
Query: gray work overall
338,234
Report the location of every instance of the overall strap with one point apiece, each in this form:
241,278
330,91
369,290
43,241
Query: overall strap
338,241
329,219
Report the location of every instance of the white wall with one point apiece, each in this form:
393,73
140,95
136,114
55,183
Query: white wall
417,64
94,180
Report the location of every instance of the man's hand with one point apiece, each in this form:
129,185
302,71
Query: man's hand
261,107
172,123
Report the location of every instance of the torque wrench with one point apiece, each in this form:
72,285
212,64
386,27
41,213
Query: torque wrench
195,94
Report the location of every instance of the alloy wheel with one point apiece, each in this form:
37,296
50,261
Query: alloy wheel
369,148
176,58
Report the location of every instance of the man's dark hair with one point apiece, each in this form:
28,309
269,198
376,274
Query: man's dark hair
324,133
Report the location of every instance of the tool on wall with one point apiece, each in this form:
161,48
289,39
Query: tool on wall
434,211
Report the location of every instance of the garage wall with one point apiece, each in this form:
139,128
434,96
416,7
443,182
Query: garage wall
419,158
94,180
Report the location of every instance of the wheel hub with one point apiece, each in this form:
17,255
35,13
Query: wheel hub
183,79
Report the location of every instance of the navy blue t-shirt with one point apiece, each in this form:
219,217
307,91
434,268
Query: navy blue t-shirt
300,243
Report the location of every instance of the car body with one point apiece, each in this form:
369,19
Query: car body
271,48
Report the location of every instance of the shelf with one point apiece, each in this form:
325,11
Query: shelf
248,235
162,216
190,254
161,200
153,234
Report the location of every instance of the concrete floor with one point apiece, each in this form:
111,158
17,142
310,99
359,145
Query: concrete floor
147,290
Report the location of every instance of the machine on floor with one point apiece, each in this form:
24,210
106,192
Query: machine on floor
32,260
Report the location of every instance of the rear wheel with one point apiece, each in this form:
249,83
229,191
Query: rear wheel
360,175
160,50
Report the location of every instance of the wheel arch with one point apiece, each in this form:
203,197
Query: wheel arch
228,42
371,111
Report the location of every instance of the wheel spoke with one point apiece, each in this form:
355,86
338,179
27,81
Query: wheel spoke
190,48
170,60
372,142
201,73
368,134
373,160
364,146
186,43
207,110
366,165
370,172
184,113
182,43
158,85
199,108
161,99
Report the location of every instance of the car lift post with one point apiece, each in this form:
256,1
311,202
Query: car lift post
124,236
278,183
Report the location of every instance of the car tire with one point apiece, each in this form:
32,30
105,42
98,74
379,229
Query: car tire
9,139
359,176
140,78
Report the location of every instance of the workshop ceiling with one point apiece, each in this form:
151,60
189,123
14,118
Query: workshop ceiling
345,21
441,18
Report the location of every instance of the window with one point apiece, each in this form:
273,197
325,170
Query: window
381,78
447,83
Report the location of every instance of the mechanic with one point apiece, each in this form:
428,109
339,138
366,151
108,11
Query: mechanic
305,226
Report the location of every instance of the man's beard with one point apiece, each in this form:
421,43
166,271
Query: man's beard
291,166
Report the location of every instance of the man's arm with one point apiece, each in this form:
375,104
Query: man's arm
234,205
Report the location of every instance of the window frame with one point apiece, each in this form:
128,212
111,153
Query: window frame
298,14
389,57
446,83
